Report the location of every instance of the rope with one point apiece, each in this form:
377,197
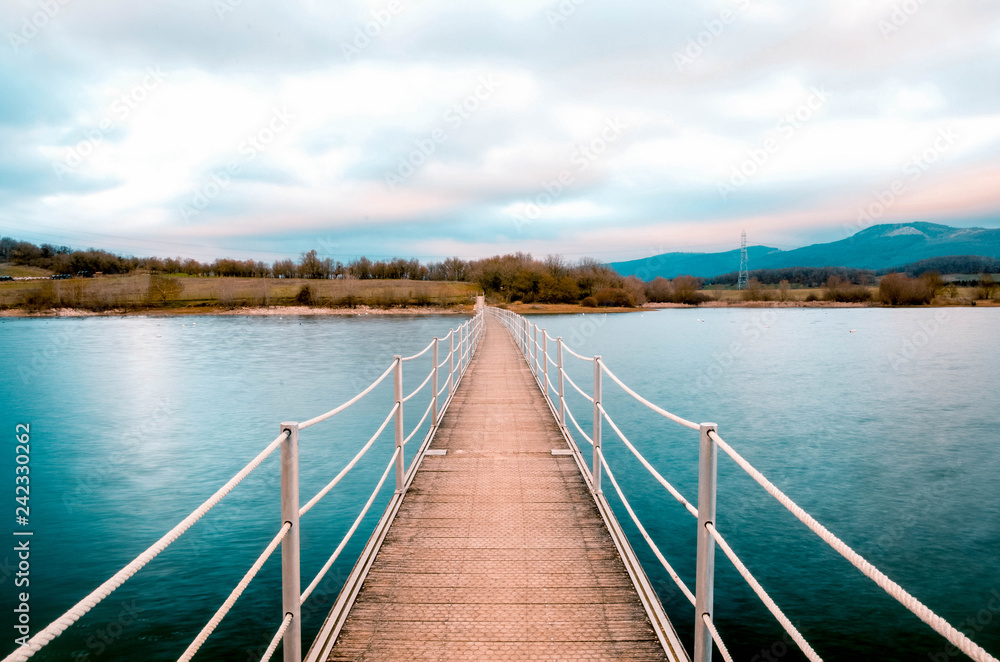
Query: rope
941,626
419,388
652,545
573,418
343,543
235,595
764,597
663,481
423,418
443,388
334,412
578,389
658,410
350,465
77,611
715,637
582,358
420,353
273,646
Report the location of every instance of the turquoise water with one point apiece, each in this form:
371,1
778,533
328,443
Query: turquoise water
135,421
888,435
884,424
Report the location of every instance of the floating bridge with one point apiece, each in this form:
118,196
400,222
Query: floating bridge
498,542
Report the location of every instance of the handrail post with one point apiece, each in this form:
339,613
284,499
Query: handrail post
399,423
562,383
705,573
291,577
434,385
597,425
545,365
534,350
461,348
451,363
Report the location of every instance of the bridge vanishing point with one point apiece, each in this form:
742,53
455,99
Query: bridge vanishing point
498,542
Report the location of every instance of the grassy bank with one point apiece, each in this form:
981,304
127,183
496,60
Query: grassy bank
145,293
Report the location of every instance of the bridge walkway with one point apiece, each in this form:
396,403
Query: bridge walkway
498,550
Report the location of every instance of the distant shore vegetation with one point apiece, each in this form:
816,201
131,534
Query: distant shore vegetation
101,281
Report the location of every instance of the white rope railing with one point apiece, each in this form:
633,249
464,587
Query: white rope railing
921,611
350,465
716,638
656,474
579,356
642,530
222,611
420,353
77,611
763,596
417,428
572,418
578,389
419,388
659,410
273,646
354,527
334,412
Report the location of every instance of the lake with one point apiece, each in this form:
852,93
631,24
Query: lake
881,423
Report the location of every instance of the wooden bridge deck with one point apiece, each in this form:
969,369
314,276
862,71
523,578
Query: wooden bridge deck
498,550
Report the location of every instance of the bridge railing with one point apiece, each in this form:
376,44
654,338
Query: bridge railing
534,343
462,343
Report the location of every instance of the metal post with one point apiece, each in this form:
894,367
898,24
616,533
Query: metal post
290,574
562,383
534,351
451,363
434,385
461,351
705,572
597,425
399,423
545,365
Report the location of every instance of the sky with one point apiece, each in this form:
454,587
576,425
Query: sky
423,128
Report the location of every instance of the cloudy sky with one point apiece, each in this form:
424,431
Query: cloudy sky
262,128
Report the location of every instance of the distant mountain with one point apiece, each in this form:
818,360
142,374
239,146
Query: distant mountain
878,247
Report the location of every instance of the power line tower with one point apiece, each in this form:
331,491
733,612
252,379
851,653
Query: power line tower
742,283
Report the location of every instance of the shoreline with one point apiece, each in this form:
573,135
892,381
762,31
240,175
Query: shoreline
523,309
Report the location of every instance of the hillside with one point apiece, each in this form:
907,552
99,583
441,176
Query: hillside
878,247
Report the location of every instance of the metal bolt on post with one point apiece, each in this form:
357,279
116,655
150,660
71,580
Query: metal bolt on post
597,425
290,575
399,422
434,385
705,571
562,383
